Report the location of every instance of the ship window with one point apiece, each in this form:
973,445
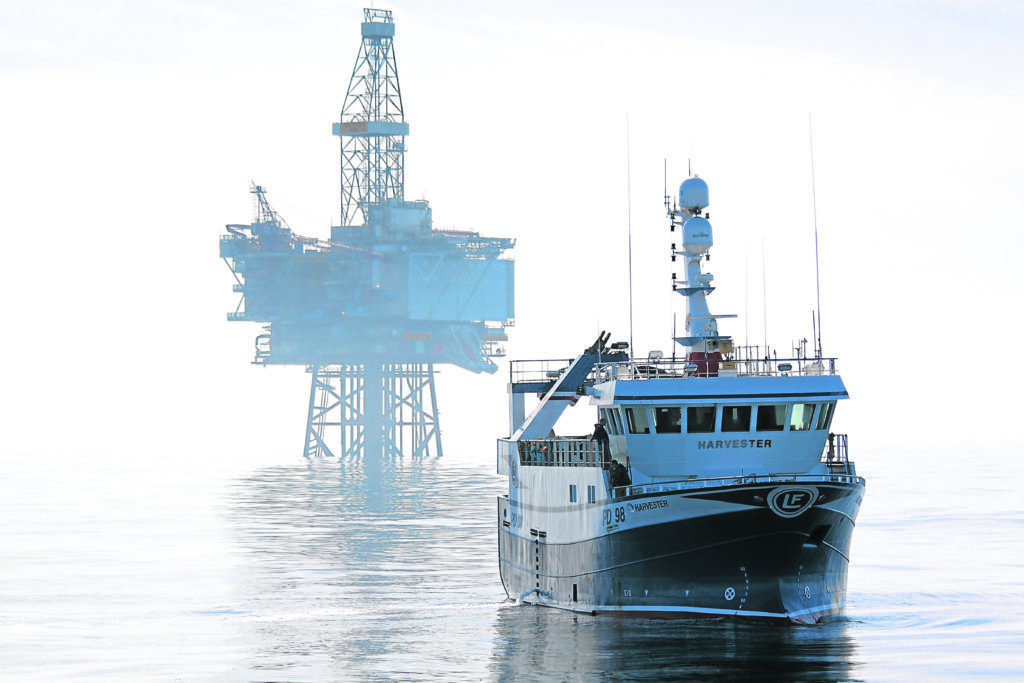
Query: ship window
572,493
591,494
614,420
736,418
668,420
771,418
638,421
800,419
700,419
825,415
617,414
606,415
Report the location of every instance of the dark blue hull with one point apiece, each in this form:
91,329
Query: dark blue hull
749,562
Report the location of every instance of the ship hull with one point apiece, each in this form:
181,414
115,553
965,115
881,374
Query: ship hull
733,551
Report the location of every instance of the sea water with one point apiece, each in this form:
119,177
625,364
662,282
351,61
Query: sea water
128,569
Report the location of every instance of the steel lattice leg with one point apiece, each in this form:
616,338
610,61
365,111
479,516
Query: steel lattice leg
375,411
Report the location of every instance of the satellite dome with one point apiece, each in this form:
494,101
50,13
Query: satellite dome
697,235
693,194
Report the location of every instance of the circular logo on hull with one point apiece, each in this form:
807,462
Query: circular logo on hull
792,501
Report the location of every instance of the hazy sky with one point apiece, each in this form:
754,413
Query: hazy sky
129,132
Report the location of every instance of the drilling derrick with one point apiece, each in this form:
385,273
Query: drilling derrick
372,126
373,310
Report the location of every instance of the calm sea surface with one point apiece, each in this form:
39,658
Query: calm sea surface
122,569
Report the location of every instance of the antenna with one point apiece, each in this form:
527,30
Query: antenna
629,232
673,337
666,184
746,295
814,331
764,299
814,204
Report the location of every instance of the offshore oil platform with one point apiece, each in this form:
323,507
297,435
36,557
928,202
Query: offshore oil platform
373,310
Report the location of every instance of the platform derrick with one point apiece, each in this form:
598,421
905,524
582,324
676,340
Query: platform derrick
371,312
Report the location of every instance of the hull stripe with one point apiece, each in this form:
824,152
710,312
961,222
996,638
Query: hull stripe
712,610
829,545
838,512
692,493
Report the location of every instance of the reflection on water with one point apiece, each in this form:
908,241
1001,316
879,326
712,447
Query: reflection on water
545,643
390,571
393,573
129,570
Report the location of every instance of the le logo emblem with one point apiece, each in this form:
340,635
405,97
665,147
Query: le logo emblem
792,501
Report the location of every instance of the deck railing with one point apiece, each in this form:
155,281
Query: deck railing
837,454
537,371
584,452
742,367
564,452
689,484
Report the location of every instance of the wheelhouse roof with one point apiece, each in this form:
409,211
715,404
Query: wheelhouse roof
722,390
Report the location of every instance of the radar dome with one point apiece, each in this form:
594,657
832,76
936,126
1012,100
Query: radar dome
693,194
697,235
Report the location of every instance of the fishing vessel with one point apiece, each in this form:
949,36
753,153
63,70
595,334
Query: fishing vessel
712,485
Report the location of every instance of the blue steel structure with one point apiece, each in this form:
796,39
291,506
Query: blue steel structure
373,310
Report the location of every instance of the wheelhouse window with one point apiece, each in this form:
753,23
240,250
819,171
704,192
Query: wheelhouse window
616,421
700,419
800,418
572,493
608,416
825,415
668,420
638,421
771,418
735,418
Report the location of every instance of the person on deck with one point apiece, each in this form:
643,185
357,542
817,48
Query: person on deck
620,475
601,437
613,474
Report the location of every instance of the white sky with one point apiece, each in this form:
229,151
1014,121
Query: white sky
129,132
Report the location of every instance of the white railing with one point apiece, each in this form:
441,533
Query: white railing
837,454
564,452
690,484
548,370
746,367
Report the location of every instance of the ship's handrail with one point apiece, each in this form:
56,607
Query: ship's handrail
689,484
837,454
540,370
837,449
560,452
741,367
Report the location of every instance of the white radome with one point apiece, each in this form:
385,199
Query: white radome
697,235
693,195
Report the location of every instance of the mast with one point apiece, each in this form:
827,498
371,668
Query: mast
817,269
703,341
